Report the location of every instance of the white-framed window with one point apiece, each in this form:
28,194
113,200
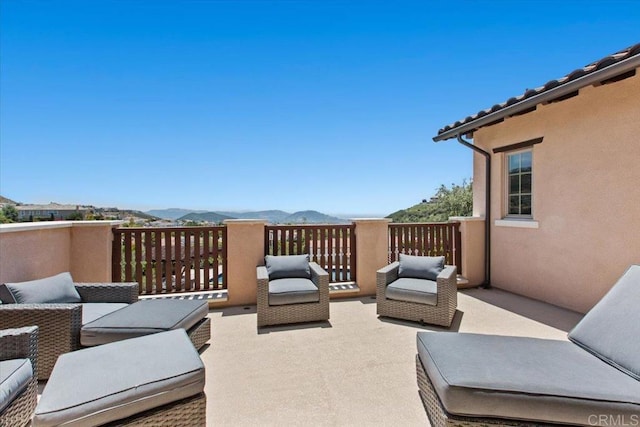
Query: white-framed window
519,174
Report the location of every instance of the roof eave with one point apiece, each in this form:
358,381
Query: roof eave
613,70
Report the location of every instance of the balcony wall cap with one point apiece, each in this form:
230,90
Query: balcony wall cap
362,220
50,225
466,218
245,221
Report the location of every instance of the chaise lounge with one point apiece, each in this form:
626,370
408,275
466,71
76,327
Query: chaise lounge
75,315
592,379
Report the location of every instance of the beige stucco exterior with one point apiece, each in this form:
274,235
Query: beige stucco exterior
372,251
35,250
586,196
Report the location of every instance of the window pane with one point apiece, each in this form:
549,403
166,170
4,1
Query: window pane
525,208
525,185
514,184
514,163
514,205
525,161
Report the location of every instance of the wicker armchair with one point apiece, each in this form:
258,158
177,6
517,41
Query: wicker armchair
21,343
270,314
441,313
60,324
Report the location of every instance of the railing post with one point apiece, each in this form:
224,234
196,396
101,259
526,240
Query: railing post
245,251
472,245
372,247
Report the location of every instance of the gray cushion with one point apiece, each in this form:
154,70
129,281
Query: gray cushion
287,266
142,318
15,375
152,371
610,329
54,289
420,267
421,291
524,378
95,310
292,291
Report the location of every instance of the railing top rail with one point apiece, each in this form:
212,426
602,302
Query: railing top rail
187,228
309,226
409,224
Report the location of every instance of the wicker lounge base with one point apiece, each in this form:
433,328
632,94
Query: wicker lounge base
439,417
22,342
200,333
187,412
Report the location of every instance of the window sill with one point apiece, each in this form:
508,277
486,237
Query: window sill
516,223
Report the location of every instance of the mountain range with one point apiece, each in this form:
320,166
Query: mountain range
272,216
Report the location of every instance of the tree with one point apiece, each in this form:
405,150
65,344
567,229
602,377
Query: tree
8,214
456,200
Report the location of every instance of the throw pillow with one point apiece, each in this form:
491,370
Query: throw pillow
420,267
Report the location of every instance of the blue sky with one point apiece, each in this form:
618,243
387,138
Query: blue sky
252,105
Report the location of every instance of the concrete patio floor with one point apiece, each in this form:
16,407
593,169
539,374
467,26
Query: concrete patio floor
355,370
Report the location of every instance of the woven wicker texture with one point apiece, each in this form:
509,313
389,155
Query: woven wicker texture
60,323
184,413
293,313
200,333
441,314
439,417
16,344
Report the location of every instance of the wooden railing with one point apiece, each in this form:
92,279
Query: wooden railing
333,247
171,260
427,239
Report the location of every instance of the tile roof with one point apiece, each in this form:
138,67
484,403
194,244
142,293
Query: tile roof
550,85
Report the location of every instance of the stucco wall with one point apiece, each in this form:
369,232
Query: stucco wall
586,196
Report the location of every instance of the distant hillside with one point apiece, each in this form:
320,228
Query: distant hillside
447,202
273,216
312,217
4,200
171,213
138,214
204,216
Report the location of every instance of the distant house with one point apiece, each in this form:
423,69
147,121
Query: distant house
52,211
557,179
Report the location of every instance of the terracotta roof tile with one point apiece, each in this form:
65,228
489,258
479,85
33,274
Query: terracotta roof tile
551,84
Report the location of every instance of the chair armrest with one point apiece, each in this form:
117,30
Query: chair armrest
320,278
447,282
19,343
263,282
384,276
108,292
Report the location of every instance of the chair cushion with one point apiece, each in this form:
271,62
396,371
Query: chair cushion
292,291
95,310
407,289
420,267
287,266
152,371
610,329
524,378
15,375
54,289
142,318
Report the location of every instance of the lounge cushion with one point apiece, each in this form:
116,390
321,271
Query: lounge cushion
610,329
15,376
421,291
420,267
288,266
95,310
54,289
142,318
524,379
102,384
292,291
